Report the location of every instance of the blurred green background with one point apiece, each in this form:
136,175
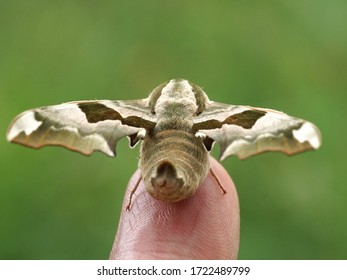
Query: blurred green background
286,55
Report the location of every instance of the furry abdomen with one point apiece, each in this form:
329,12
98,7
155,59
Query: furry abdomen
173,163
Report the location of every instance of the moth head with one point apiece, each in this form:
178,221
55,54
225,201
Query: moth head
167,183
178,91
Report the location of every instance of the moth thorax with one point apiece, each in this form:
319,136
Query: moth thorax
173,164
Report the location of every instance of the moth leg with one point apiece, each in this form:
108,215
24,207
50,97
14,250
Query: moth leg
218,181
132,193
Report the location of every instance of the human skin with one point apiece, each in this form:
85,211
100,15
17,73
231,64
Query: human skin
205,226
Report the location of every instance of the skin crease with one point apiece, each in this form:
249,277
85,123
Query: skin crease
205,226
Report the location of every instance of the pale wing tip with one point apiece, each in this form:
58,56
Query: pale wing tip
25,122
307,135
308,132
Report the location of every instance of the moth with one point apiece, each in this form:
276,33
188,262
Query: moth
178,126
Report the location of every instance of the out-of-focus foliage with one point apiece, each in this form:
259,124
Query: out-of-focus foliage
286,55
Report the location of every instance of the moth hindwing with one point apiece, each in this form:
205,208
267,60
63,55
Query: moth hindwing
178,125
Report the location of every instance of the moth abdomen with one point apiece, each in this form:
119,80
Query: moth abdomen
166,175
173,164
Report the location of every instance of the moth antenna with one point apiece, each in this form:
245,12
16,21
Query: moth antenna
218,181
132,193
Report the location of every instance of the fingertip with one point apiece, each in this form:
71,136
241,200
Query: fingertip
230,208
205,226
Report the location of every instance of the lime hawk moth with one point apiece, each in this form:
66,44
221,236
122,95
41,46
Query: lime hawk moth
178,126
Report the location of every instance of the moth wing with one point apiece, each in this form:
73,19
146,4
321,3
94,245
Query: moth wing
244,131
83,126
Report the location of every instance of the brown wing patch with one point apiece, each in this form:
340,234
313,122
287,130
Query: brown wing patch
245,119
96,112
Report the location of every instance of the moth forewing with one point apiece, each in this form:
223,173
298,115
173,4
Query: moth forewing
83,126
245,131
178,125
